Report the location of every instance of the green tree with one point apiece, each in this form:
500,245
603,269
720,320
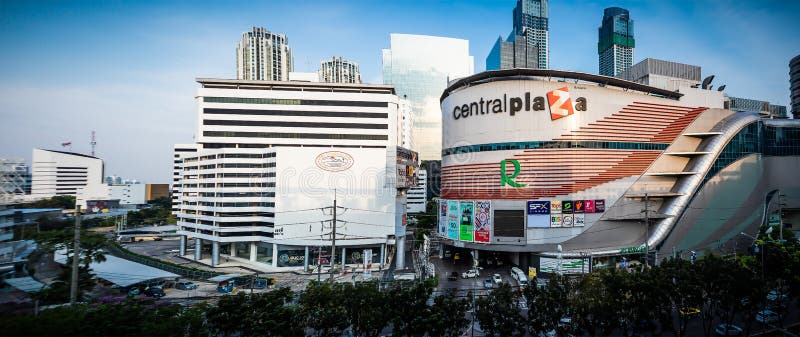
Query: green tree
323,309
448,315
499,314
410,309
367,308
594,308
555,298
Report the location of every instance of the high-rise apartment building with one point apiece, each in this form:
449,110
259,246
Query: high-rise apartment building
531,20
339,70
794,80
419,67
615,41
262,55
515,52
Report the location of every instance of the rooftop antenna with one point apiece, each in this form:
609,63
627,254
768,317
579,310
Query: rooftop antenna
93,143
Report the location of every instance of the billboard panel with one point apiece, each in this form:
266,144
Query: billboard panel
555,207
452,219
578,206
555,220
579,220
538,221
599,206
483,221
588,206
443,217
465,226
567,207
538,207
567,220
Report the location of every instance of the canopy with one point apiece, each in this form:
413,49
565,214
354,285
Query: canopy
26,284
123,272
223,278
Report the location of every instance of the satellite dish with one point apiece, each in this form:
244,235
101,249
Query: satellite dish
722,87
707,81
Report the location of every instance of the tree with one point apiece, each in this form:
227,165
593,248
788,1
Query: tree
448,315
594,309
367,308
411,310
91,251
498,313
680,285
323,310
554,299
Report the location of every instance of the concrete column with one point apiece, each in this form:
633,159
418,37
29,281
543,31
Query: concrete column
275,255
344,256
400,233
305,261
198,246
182,249
233,249
383,254
253,251
214,253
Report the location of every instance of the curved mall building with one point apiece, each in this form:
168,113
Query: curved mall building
537,161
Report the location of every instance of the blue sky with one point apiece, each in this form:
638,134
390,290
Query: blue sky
126,68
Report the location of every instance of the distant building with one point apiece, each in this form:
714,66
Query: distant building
615,41
515,52
23,217
753,105
262,55
794,81
663,74
180,151
419,67
96,198
531,20
155,191
339,70
15,180
417,196
63,173
405,123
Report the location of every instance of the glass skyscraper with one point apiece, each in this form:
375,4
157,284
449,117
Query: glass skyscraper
419,67
515,52
615,41
531,20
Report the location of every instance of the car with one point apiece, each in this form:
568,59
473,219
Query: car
497,279
453,276
518,275
260,283
776,299
155,292
472,273
134,292
728,330
689,312
185,285
767,316
488,283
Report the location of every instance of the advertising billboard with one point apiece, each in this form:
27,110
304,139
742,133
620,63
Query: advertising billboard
579,220
599,206
452,219
556,220
443,217
578,205
538,207
465,225
567,220
567,207
555,207
588,206
538,214
483,221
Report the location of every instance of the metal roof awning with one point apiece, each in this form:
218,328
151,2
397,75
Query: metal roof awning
26,284
122,272
223,278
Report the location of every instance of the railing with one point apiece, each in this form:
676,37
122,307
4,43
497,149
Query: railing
185,272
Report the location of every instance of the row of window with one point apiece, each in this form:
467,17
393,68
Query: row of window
293,135
296,124
292,113
245,204
283,101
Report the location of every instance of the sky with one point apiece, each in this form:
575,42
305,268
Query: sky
127,69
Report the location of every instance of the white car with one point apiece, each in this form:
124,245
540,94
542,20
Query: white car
497,279
472,273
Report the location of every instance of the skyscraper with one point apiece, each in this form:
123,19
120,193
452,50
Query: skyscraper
615,41
339,70
262,55
530,19
794,85
515,52
419,67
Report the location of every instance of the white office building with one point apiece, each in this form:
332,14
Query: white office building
270,159
179,152
63,173
419,67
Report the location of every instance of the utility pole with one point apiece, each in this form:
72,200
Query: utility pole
76,253
647,229
333,237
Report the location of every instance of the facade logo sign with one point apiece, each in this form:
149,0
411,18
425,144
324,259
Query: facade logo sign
509,179
560,103
538,207
334,161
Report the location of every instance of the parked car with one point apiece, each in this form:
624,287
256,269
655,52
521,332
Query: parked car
728,330
767,316
689,312
472,273
518,275
453,276
497,279
185,285
155,292
134,291
776,299
488,283
260,283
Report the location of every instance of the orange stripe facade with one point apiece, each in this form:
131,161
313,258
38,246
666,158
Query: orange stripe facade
554,172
